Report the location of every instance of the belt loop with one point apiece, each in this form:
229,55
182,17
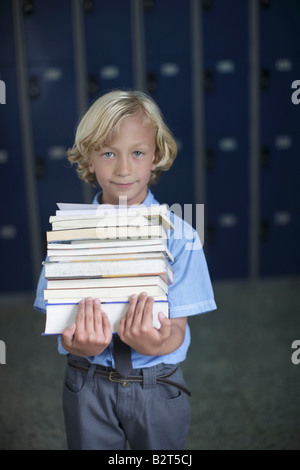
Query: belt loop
90,374
149,377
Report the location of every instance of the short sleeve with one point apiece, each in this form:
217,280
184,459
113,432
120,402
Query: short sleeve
191,292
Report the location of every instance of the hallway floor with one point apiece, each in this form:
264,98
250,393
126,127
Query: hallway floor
245,388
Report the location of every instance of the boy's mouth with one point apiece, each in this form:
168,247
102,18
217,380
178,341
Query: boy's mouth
123,185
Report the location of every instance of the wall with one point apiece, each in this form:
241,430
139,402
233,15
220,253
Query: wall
222,73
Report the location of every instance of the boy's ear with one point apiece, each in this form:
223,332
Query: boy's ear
91,168
154,161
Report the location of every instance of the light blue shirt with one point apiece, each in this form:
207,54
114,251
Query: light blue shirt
190,294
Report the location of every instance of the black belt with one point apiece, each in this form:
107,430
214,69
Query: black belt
113,376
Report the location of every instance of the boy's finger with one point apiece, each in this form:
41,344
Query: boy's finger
165,327
80,319
106,328
139,310
89,315
147,318
129,317
97,316
68,335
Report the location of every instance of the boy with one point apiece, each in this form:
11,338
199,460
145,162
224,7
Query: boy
123,144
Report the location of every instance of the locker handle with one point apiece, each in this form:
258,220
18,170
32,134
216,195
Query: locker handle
93,85
40,167
148,6
210,159
28,7
265,157
33,87
88,5
211,233
265,231
207,4
152,82
265,79
209,80
265,3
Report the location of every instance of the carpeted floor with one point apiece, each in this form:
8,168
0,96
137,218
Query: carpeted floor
245,388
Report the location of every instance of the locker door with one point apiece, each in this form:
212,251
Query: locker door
280,228
279,31
52,94
108,41
48,31
226,91
226,243
53,114
280,142
226,170
7,54
16,272
226,127
225,27
168,65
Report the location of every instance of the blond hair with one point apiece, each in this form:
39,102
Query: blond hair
101,122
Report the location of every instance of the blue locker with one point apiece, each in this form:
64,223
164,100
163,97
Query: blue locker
53,107
108,40
226,243
167,29
280,254
280,142
278,113
279,28
177,111
280,171
15,268
226,64
226,88
48,30
7,57
108,31
225,28
226,114
169,75
227,173
54,118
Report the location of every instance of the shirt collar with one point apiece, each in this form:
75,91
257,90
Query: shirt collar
148,201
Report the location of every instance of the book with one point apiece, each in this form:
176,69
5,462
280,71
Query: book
112,257
64,255
109,253
105,243
139,267
102,292
146,231
71,216
91,249
69,211
62,314
71,222
105,282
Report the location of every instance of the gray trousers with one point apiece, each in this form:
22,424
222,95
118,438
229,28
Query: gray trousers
104,415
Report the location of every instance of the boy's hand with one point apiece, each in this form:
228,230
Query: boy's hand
92,332
136,328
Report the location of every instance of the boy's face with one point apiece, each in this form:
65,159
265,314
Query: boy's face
123,166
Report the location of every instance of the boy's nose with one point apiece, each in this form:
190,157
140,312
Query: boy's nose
123,167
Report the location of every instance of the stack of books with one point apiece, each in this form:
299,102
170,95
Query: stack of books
106,252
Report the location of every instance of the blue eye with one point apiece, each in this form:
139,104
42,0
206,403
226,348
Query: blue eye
137,153
108,154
